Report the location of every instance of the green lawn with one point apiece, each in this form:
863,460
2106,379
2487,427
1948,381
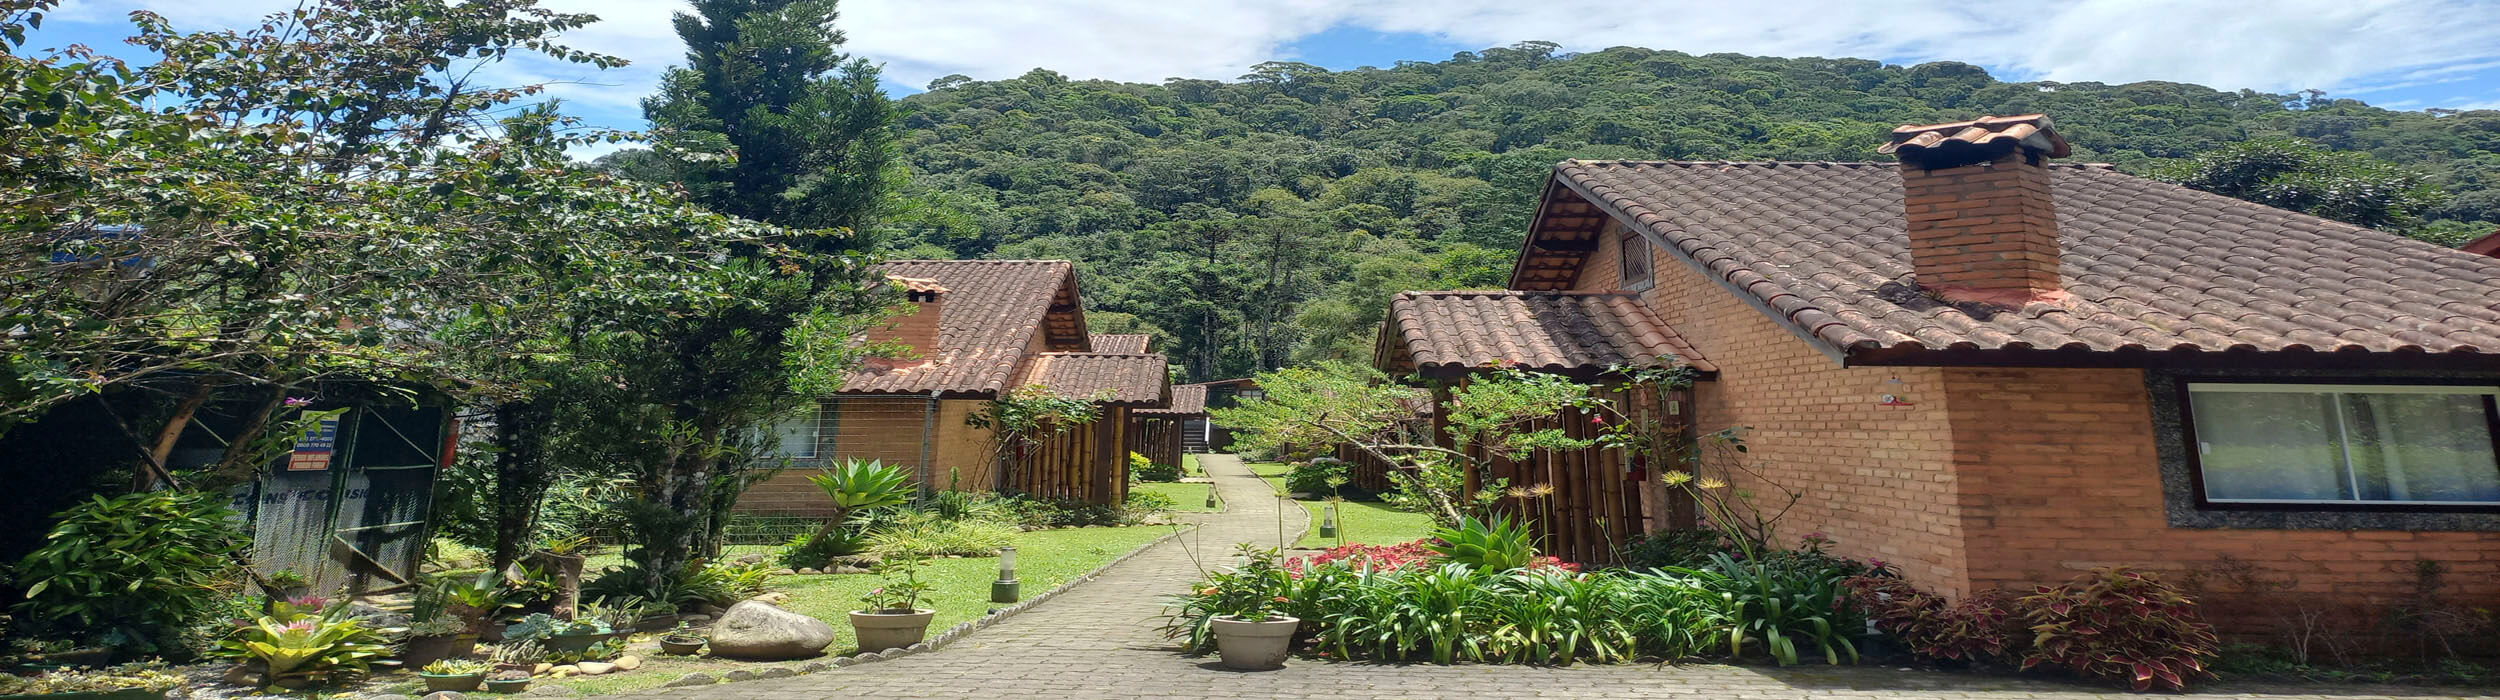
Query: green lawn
961,592
1359,522
1189,465
1187,497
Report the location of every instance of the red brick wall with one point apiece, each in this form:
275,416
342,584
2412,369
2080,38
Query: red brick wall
1878,479
2061,475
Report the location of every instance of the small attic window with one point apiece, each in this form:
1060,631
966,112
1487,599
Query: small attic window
1633,266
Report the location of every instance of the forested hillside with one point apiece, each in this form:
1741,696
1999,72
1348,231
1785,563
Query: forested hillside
1255,222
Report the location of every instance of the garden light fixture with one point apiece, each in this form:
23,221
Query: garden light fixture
1328,522
1006,589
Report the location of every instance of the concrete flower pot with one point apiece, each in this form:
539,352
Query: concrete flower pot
879,631
1255,646
457,683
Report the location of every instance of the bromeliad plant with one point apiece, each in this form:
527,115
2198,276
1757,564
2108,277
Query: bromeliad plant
304,639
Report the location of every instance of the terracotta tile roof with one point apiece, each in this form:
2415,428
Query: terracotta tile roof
991,313
1559,331
2150,266
2034,130
1135,379
1122,343
1187,400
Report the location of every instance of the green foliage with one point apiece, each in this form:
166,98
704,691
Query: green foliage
1498,545
923,536
1144,502
1147,470
150,676
2120,624
1028,416
695,584
313,645
455,667
863,484
899,587
2302,176
1318,477
131,570
1684,548
815,550
1785,611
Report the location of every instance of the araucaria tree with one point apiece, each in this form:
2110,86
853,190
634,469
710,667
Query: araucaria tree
770,122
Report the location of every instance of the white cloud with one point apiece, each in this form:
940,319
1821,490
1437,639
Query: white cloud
2343,46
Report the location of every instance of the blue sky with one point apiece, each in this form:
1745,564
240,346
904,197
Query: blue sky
2400,54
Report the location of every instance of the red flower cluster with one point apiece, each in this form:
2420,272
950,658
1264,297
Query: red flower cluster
1392,557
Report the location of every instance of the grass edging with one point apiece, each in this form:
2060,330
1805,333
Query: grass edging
994,617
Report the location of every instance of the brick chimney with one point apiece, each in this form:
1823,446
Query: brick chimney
1981,224
916,326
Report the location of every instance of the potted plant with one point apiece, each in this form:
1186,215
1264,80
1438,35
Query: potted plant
1246,612
456,675
446,636
518,656
475,600
893,618
508,681
138,681
681,641
566,636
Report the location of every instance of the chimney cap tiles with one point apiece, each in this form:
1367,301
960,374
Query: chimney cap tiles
1938,146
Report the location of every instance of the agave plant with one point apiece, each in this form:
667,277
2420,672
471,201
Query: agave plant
1501,545
858,485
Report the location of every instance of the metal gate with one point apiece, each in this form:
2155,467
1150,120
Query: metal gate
348,506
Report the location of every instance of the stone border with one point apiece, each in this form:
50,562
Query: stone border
951,634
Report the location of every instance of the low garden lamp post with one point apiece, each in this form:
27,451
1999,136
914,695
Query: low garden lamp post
1328,522
1210,496
1006,589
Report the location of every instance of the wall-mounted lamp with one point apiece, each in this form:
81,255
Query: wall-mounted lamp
1006,589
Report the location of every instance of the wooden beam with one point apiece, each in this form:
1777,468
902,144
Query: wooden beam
1579,245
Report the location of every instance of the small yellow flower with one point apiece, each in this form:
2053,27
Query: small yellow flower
1541,490
1516,492
1676,478
1710,483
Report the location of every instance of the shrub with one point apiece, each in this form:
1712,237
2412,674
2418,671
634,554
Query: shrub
968,505
1041,514
1148,502
1784,609
131,571
698,583
1317,477
1259,589
933,537
1674,617
1500,545
1983,627
1555,617
1147,470
1685,548
2123,624
816,550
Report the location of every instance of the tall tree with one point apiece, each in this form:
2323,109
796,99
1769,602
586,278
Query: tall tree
807,135
769,121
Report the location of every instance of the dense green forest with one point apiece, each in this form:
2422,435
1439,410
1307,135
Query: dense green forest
1262,221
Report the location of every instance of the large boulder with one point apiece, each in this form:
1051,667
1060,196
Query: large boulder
757,631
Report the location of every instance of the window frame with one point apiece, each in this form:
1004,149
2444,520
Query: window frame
2187,445
1623,261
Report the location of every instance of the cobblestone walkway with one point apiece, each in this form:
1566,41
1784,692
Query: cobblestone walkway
1099,641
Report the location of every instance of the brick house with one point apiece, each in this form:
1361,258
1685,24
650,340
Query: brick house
1993,370
977,329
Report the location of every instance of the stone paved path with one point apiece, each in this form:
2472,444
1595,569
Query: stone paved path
1099,641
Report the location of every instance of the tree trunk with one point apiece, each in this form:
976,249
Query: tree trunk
521,479
241,460
147,475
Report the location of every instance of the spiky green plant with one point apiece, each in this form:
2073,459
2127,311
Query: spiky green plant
1500,545
863,484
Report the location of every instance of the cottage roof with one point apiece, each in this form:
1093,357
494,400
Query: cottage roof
994,311
1583,332
1116,378
1122,343
1187,400
2150,266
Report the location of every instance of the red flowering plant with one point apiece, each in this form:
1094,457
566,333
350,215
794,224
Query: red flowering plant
2119,623
1395,557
